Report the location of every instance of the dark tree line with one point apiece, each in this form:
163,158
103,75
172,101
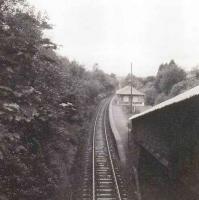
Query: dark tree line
169,81
46,105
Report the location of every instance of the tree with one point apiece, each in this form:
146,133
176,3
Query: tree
46,107
178,88
168,82
195,72
150,95
136,81
160,98
167,76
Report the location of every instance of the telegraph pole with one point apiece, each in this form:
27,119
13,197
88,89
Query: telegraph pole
131,90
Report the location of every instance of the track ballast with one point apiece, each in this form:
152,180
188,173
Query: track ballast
102,179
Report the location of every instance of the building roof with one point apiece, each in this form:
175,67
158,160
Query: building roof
127,91
179,98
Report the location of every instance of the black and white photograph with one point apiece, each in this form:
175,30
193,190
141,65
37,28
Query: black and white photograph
99,100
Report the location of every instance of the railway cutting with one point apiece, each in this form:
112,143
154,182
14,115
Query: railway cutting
102,177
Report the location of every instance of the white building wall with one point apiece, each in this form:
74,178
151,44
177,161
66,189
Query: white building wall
126,100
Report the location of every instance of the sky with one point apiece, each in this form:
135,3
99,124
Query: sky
114,33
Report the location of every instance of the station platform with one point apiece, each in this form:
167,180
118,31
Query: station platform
119,125
119,119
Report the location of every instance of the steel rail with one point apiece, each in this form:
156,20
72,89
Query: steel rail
102,110
110,156
93,149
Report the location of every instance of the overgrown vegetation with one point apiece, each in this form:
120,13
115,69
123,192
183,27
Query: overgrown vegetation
46,105
170,81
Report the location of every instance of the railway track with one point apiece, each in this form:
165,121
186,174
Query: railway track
102,179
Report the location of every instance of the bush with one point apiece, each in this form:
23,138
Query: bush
46,101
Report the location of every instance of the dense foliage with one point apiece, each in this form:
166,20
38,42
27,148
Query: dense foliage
46,103
170,81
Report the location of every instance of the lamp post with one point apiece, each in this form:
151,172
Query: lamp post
131,90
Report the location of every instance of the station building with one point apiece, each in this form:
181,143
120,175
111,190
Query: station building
124,96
